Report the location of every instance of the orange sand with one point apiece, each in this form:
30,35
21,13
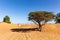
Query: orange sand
49,32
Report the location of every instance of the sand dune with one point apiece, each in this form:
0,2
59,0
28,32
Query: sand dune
49,32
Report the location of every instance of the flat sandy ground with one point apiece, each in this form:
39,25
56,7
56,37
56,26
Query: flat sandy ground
49,32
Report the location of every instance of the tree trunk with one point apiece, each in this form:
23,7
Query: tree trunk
40,27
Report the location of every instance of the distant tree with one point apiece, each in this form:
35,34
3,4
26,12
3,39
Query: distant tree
6,19
39,16
58,18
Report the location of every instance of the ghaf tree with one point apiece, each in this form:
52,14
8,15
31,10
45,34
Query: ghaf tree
6,19
58,18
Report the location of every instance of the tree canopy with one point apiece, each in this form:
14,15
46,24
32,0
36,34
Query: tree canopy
6,19
58,18
40,16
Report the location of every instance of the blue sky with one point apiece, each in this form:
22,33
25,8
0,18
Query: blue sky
18,10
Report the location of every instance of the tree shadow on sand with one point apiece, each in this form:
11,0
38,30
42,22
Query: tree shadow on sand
24,29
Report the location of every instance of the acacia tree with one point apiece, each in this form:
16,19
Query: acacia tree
39,16
6,19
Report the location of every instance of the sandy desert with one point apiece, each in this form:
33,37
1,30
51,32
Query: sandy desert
49,32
